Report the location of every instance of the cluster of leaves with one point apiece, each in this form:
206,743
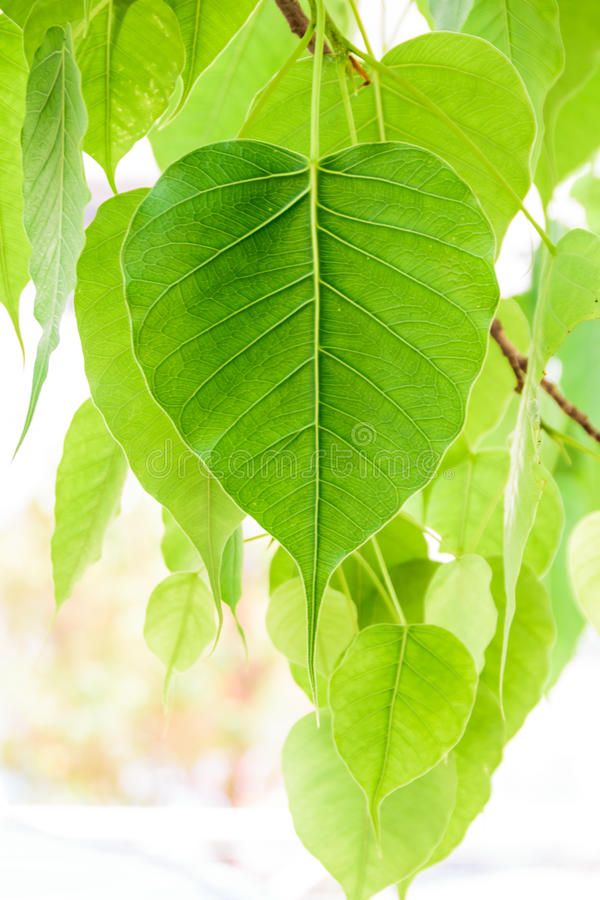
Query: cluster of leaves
293,324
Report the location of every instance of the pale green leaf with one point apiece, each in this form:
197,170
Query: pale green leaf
584,566
54,188
445,15
44,14
206,27
232,569
17,10
410,580
453,94
529,648
165,467
14,247
459,599
180,621
331,819
344,389
400,700
217,106
587,191
286,624
89,482
130,59
178,552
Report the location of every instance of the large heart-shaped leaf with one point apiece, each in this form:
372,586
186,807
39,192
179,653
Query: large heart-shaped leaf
478,117
312,330
400,700
158,457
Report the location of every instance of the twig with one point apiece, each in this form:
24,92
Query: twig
298,21
519,362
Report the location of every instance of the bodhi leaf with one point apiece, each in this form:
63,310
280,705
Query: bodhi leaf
55,190
459,599
14,247
312,332
452,94
178,552
410,580
217,106
130,59
529,648
158,457
206,27
330,815
89,482
180,622
584,566
400,700
286,624
569,294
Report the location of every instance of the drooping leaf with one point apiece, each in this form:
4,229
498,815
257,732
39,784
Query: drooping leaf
400,701
459,599
338,396
130,59
584,566
465,506
157,455
217,105
206,27
232,569
528,651
180,622
478,119
286,624
14,247
569,294
330,815
526,31
54,188
89,482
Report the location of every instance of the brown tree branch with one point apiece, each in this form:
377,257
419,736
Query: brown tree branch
518,363
298,21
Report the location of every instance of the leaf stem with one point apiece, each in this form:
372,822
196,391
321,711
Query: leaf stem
381,590
388,580
376,77
343,80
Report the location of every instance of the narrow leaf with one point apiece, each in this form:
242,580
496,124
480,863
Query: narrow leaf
55,190
302,298
165,467
89,482
400,700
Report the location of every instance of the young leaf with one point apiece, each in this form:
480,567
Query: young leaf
180,622
207,26
338,394
528,651
400,700
584,566
478,118
157,455
217,106
89,482
14,247
459,599
130,59
286,624
54,187
178,552
331,819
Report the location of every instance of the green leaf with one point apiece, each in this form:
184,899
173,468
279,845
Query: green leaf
54,188
587,191
217,105
130,59
14,247
445,15
180,622
44,14
452,94
206,27
526,31
17,10
569,294
331,820
178,552
584,566
89,482
465,506
165,467
338,395
400,700
410,580
232,569
529,648
459,599
286,624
